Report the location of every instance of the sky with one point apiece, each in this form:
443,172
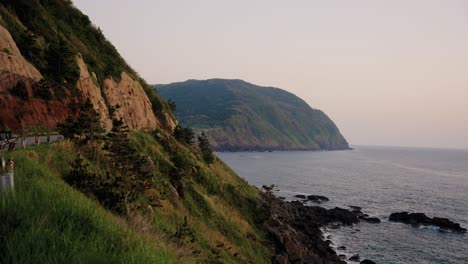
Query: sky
386,72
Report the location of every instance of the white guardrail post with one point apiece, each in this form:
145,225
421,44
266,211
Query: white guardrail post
7,182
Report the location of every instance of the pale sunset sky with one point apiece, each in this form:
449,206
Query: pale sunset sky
388,72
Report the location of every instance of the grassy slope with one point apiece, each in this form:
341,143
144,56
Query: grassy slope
241,115
46,220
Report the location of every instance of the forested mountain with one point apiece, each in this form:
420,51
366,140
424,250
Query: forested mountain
237,115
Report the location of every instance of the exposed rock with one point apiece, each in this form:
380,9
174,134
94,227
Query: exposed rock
341,248
355,258
300,196
366,261
358,208
11,60
317,198
89,90
295,228
422,219
131,103
372,220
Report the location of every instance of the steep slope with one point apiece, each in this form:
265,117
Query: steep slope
53,59
237,115
135,194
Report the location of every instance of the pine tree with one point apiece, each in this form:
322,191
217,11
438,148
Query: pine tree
205,148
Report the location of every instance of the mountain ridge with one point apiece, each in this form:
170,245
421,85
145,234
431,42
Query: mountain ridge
244,116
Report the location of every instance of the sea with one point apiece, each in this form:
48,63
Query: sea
381,180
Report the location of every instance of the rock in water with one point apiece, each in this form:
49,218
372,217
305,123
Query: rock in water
355,258
372,220
366,261
300,196
317,198
422,219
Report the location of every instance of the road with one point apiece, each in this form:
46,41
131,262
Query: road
29,141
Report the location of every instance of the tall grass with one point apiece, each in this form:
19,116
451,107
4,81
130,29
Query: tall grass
46,221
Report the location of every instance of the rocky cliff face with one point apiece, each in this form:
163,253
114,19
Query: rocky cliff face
24,110
17,113
130,102
11,60
89,90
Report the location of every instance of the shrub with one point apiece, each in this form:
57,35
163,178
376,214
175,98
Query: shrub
184,134
205,148
20,90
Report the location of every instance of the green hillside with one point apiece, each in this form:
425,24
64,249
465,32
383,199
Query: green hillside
121,196
178,209
237,115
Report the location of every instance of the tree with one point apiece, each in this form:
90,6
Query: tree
30,49
184,134
172,105
61,63
86,126
205,147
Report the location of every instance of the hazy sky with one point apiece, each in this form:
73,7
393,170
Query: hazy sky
388,72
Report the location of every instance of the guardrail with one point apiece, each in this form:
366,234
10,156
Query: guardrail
23,142
7,182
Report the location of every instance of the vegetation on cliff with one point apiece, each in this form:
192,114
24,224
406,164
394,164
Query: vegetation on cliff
236,115
110,196
51,35
132,197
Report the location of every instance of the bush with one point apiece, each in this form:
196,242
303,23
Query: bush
205,148
184,134
20,90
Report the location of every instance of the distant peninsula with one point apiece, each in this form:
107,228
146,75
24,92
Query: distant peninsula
240,116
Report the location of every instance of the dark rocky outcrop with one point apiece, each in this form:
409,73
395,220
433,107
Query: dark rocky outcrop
295,228
355,258
366,261
421,219
372,220
300,196
317,198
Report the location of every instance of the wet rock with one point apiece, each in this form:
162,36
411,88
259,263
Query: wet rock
300,196
357,208
417,219
295,230
317,198
366,261
355,258
342,256
372,220
341,248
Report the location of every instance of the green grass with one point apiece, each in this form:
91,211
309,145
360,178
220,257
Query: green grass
46,221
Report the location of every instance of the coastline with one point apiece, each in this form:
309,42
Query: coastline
298,230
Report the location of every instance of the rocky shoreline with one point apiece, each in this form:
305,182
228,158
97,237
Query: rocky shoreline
296,230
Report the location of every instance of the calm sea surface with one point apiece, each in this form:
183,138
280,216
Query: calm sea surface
381,180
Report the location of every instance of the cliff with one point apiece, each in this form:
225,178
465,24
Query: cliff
237,115
136,194
53,59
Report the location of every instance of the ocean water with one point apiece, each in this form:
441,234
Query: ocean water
381,180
